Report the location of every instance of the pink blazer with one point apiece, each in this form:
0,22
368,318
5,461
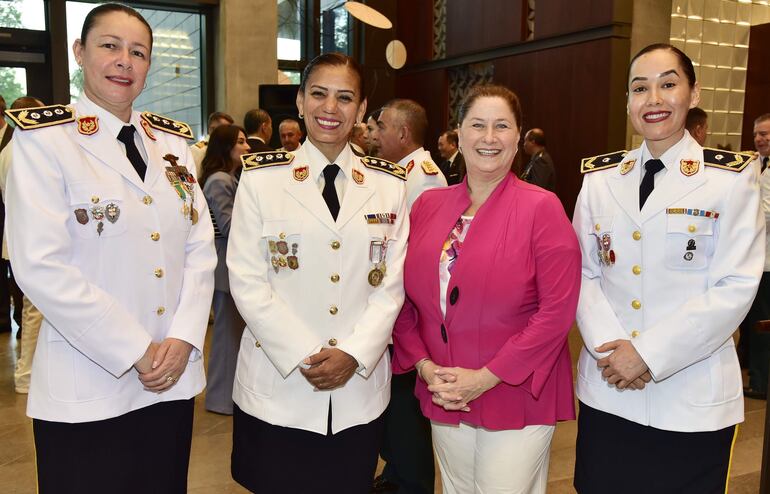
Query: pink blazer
516,280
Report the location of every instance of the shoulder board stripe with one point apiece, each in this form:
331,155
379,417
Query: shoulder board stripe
602,162
39,117
726,160
169,125
264,159
386,166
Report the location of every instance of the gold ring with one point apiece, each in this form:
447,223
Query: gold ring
170,379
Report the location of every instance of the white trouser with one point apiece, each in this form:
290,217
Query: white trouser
481,461
31,320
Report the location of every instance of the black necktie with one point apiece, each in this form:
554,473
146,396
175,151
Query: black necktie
764,162
648,182
126,136
330,192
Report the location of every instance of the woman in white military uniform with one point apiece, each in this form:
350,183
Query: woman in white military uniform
111,239
672,240
316,249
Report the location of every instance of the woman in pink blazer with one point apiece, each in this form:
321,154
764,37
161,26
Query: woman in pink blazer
492,276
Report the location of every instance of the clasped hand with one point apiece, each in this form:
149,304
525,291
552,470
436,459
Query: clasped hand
454,388
163,364
330,368
624,367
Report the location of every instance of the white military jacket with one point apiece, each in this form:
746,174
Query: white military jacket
676,279
423,174
112,262
302,282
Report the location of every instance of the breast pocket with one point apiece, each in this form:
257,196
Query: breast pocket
283,244
601,233
97,210
689,241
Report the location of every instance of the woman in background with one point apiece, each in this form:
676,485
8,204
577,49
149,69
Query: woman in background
223,157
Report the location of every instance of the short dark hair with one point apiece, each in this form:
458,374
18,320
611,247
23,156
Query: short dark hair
333,60
536,135
414,115
375,115
762,118
220,115
26,102
217,158
696,117
255,119
491,91
108,8
451,137
684,60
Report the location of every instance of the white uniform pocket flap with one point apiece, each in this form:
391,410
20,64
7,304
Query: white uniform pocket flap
600,224
690,225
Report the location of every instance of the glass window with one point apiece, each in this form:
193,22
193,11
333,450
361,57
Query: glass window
335,27
291,20
23,14
173,86
289,76
13,83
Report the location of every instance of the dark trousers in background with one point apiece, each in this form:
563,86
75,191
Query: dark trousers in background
144,451
759,349
9,291
407,446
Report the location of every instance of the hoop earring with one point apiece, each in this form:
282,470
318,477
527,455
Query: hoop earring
301,116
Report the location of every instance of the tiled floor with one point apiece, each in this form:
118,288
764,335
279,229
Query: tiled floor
210,461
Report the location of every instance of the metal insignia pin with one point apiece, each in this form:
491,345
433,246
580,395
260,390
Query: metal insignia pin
81,215
112,211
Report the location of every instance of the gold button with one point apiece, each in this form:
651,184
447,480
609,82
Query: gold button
637,270
159,273
335,245
94,199
155,236
333,342
147,200
257,344
636,304
637,235
634,333
161,310
333,309
335,278
691,228
597,227
282,235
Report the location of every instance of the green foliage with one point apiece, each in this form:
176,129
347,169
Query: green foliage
10,88
9,14
76,82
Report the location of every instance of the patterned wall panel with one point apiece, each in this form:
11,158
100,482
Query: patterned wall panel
530,20
463,78
715,35
439,29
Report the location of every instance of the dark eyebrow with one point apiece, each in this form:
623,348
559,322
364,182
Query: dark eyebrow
662,74
112,36
318,86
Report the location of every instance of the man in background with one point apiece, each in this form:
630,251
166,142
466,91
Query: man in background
540,170
697,125
259,129
453,164
199,148
359,139
290,134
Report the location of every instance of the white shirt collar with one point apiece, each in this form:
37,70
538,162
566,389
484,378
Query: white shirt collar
107,120
317,161
670,155
414,155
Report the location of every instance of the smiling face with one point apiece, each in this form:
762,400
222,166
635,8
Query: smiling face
115,58
659,96
290,135
331,105
489,137
762,137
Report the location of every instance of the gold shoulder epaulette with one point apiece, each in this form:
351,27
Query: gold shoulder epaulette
44,116
430,168
201,144
264,159
386,166
169,125
727,160
602,162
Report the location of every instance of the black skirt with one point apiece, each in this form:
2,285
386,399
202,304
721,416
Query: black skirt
270,459
146,450
616,455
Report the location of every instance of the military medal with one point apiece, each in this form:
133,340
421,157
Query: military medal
274,262
377,250
283,247
358,177
292,259
81,215
112,212
690,247
282,262
194,216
